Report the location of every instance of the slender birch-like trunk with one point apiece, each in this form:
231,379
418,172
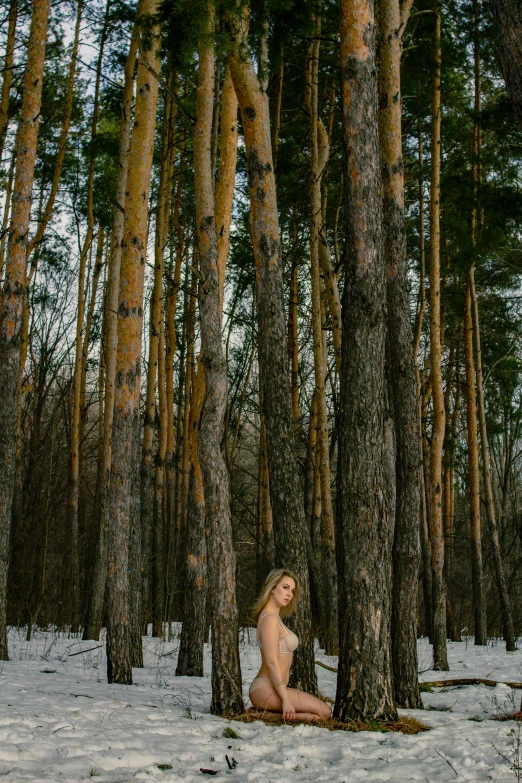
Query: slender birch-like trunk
404,402
14,288
285,491
126,423
440,652
365,679
93,622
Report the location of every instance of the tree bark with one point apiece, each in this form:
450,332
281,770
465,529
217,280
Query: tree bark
365,684
93,622
322,455
507,18
8,74
226,672
194,631
404,401
435,476
128,364
498,566
477,572
14,288
285,491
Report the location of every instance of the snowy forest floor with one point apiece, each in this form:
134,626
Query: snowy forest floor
61,721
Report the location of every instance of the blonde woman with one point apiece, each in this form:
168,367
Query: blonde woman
269,691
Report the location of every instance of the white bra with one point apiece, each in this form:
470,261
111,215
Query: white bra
287,644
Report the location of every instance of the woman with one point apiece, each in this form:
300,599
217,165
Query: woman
269,691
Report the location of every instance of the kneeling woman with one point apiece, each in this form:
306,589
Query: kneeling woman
269,691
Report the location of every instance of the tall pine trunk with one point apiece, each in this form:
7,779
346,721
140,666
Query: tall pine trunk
322,455
401,367
14,288
285,490
126,421
226,672
477,571
440,652
93,622
365,680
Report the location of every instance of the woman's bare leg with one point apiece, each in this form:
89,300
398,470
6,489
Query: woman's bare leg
267,700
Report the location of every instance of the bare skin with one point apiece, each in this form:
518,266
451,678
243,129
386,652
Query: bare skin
277,698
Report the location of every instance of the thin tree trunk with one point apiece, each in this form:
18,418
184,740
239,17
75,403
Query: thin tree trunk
322,456
277,102
14,289
293,335
126,423
226,176
93,622
440,652
8,73
285,491
498,566
477,572
401,367
365,679
226,672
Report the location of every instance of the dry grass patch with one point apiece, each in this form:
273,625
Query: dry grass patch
405,724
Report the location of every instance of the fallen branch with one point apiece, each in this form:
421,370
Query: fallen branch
89,649
447,683
472,681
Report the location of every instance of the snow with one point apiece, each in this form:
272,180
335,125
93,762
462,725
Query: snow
61,721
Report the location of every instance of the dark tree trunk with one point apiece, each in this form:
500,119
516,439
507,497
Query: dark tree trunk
194,630
364,685
12,299
507,18
226,672
403,383
285,488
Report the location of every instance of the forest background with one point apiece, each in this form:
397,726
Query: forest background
188,362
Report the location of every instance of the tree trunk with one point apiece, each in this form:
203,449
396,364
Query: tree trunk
285,490
126,421
404,401
193,632
93,622
265,554
477,572
365,684
226,672
322,456
14,288
293,335
498,566
440,652
507,18
8,74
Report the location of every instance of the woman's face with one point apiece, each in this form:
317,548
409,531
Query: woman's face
284,591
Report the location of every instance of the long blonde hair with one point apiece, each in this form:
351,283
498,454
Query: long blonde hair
272,580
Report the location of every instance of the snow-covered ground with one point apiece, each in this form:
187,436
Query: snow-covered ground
60,721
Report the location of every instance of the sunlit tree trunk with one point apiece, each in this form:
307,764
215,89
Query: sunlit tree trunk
437,441
14,288
365,679
93,622
226,672
126,423
285,489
